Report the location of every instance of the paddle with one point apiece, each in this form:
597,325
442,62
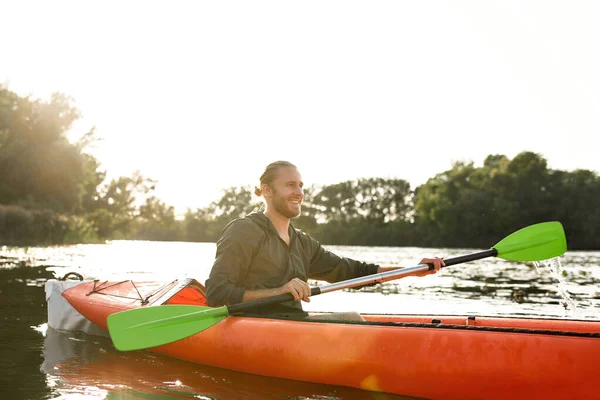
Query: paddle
145,327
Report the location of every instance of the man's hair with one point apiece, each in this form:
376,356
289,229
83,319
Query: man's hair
270,174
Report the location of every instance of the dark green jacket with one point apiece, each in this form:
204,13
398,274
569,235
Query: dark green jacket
251,255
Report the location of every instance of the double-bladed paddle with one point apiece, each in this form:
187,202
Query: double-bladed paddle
145,327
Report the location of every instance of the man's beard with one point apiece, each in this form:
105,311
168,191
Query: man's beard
281,206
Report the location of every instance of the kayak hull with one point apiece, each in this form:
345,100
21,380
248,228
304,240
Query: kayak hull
436,357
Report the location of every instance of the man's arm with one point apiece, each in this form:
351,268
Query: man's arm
297,287
234,254
330,267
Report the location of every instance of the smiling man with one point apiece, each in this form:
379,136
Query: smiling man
263,255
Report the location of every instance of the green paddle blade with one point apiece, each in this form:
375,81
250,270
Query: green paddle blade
534,243
145,327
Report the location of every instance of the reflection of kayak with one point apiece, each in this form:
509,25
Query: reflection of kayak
83,365
441,357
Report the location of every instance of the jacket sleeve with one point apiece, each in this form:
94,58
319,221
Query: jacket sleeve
330,267
234,255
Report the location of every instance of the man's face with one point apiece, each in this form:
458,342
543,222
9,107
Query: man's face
287,193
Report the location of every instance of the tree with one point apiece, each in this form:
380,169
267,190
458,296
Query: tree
156,221
117,203
40,167
376,200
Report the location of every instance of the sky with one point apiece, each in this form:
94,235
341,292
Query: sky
201,96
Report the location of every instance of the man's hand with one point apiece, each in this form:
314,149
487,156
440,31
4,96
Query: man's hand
298,288
437,262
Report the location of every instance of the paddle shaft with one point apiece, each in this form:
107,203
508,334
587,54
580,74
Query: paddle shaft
362,281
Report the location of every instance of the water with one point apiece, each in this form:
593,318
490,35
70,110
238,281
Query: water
556,271
40,363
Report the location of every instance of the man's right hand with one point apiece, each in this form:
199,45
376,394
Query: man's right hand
298,288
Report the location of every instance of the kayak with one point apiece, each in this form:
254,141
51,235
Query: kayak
78,363
424,356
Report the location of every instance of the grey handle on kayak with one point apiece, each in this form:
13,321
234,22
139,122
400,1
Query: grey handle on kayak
361,281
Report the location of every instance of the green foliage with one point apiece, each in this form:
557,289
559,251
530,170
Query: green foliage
468,206
205,225
198,226
156,221
236,202
38,164
52,191
376,200
23,227
54,183
115,206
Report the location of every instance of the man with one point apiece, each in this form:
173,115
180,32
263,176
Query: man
263,255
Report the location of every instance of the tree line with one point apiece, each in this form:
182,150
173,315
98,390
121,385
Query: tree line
52,191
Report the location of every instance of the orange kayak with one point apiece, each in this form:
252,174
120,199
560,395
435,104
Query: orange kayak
426,356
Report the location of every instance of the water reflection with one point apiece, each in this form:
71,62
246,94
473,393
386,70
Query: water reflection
89,365
22,306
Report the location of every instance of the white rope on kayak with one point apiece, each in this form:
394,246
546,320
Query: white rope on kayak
104,286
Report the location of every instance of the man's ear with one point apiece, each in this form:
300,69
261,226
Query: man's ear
266,190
